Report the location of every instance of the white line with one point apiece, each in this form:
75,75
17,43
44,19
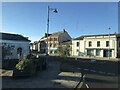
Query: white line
87,85
101,72
92,70
111,73
79,68
86,69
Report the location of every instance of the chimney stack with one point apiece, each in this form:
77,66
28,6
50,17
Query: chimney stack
63,30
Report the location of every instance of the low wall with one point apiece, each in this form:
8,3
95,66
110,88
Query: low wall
99,65
9,63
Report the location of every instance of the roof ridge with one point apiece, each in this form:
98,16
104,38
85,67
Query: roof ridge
10,36
117,34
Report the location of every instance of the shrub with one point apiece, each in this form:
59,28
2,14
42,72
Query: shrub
27,65
30,56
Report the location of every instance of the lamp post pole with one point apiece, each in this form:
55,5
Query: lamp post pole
109,44
55,11
47,36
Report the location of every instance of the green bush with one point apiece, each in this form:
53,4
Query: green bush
27,65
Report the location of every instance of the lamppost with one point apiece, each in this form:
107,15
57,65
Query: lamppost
109,44
55,11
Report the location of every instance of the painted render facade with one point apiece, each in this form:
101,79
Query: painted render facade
17,45
54,40
97,45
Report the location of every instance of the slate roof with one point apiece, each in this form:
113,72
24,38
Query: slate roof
66,42
14,37
56,34
82,37
45,35
53,34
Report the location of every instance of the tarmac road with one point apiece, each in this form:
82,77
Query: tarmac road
101,75
101,81
98,74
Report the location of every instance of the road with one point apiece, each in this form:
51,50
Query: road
101,81
98,74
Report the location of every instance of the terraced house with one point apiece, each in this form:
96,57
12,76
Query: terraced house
54,40
104,45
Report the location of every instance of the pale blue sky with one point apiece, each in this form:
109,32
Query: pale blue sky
83,18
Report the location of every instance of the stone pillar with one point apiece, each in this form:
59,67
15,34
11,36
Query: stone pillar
94,52
101,53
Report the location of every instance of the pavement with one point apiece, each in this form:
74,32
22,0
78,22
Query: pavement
96,58
50,78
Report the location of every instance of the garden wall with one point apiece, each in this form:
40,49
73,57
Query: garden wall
9,63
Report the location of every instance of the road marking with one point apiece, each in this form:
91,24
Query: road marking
101,72
111,73
86,69
92,70
87,85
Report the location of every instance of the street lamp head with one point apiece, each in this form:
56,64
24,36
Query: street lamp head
55,11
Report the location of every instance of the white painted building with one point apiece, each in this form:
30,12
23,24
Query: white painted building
14,46
97,45
34,46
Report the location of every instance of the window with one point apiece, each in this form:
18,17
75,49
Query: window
77,44
50,44
55,45
119,44
55,39
107,53
50,39
55,51
90,43
51,51
77,50
98,43
107,43
98,52
90,52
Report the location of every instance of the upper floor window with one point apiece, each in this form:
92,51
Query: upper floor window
107,43
98,43
55,39
50,44
50,39
77,44
90,43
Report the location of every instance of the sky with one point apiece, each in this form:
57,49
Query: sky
77,18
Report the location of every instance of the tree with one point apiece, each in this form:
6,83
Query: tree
6,50
64,50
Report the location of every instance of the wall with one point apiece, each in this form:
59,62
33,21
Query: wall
23,44
64,37
84,45
80,47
